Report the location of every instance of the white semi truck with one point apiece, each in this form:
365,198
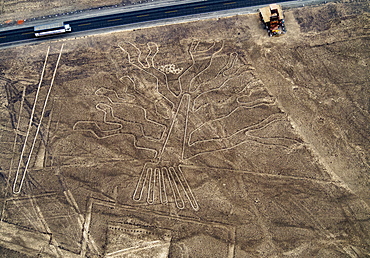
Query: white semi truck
51,29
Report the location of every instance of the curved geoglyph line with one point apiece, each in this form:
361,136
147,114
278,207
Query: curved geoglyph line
144,69
151,64
116,131
250,87
150,55
262,124
108,134
100,92
205,69
228,115
126,103
100,106
229,65
153,179
241,136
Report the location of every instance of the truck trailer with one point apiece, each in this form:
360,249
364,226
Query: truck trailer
51,29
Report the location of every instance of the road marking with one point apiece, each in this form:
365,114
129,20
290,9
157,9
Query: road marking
142,15
2,37
200,7
27,33
115,20
84,24
230,3
171,11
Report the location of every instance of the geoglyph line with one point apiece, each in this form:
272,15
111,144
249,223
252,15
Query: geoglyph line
176,180
150,52
15,190
186,126
143,70
155,180
267,100
228,66
175,189
93,202
102,90
111,135
187,190
134,249
15,139
209,65
172,125
54,243
243,133
31,120
194,110
162,187
221,118
131,105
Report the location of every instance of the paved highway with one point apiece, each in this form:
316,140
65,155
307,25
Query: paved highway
138,16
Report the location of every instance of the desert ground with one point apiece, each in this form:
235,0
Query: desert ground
13,10
200,139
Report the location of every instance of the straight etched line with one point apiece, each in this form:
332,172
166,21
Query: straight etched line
38,127
14,147
31,119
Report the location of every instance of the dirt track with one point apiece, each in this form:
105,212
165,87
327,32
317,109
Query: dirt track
203,139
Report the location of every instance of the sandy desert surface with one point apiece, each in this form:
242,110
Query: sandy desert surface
12,11
201,139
